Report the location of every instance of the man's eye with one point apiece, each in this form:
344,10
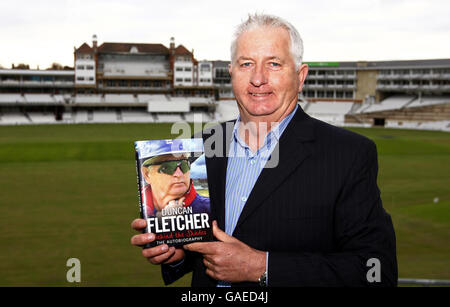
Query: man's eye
246,64
275,64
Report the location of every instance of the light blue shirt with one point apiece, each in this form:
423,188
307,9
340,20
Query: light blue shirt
244,167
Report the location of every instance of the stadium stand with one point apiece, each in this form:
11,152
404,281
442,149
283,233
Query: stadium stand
331,112
129,116
41,118
391,103
429,100
11,99
14,118
105,117
169,118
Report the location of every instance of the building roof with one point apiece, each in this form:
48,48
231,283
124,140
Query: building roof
84,49
128,47
181,50
36,72
367,65
410,63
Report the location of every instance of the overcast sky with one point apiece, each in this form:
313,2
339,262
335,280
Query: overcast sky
45,31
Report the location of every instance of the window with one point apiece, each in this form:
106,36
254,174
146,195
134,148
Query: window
80,67
80,78
187,80
89,67
91,78
205,67
348,94
187,69
330,94
179,69
178,80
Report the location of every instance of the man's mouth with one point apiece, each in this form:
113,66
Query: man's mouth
260,94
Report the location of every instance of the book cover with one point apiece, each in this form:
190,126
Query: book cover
173,190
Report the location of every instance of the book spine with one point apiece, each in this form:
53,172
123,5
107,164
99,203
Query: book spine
139,184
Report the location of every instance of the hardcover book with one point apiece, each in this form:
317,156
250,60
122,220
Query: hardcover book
173,190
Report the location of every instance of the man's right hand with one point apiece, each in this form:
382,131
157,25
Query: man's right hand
159,254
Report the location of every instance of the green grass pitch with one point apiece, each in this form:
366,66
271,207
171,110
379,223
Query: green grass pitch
70,191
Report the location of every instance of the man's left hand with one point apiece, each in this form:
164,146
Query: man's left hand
230,259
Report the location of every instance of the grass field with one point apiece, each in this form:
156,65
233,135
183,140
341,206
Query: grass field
70,191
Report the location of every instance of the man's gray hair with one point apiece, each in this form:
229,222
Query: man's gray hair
263,20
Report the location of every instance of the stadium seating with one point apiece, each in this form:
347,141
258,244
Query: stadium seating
39,99
136,117
11,98
14,118
226,110
169,118
41,118
429,100
105,117
330,112
391,103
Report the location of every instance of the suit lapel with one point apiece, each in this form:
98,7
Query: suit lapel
293,149
217,171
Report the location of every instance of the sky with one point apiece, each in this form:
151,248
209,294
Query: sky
39,33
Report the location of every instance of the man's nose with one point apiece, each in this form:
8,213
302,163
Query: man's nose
178,172
259,76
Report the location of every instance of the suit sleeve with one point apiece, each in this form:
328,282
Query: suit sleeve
173,272
362,230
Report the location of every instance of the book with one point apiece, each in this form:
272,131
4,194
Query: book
173,191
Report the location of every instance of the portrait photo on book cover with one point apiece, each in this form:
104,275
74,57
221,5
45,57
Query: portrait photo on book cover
173,177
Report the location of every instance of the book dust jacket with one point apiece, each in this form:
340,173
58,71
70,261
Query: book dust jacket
173,190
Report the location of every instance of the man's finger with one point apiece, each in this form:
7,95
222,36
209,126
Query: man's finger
155,251
202,247
138,224
142,239
162,258
221,235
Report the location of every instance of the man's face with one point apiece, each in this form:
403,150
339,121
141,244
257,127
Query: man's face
164,185
264,76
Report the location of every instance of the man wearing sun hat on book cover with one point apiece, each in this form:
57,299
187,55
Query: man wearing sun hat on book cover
166,169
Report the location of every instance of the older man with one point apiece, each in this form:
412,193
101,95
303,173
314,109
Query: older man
316,218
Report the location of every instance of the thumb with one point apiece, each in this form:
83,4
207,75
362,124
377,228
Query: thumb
221,235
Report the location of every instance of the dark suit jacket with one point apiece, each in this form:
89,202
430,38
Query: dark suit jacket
318,213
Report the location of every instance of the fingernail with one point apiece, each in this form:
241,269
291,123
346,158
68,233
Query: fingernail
164,248
151,236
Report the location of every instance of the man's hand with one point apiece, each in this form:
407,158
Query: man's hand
230,259
159,254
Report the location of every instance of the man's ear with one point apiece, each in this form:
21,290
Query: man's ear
145,172
302,73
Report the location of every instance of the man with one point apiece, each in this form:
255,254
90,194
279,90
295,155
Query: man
316,218
169,185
